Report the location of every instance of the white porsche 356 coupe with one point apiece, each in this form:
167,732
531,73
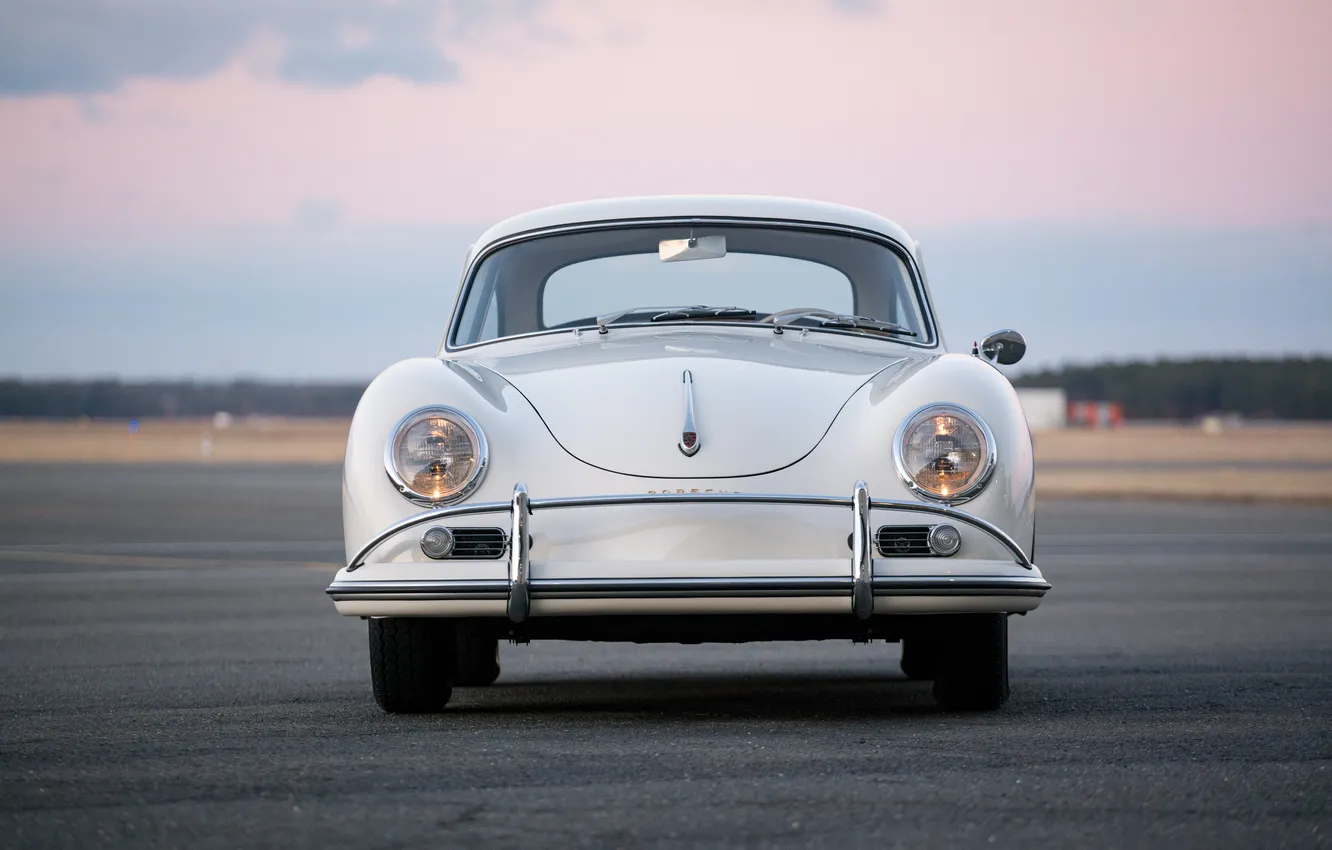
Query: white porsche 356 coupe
690,419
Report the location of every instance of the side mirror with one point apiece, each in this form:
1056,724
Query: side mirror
1003,348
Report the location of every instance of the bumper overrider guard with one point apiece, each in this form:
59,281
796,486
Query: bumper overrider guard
859,584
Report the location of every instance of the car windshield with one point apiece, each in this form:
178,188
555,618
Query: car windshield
700,273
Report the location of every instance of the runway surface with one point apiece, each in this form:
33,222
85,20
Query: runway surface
171,674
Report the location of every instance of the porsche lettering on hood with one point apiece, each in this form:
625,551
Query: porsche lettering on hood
758,402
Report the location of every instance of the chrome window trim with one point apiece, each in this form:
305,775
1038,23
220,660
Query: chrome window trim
479,473
917,276
991,460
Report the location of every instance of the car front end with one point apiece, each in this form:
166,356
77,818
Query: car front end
689,473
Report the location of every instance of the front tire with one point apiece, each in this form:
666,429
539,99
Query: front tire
972,672
478,658
920,659
411,663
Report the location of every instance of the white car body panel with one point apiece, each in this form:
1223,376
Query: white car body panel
583,414
617,404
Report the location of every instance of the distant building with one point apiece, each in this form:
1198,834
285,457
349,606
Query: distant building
1046,409
1095,414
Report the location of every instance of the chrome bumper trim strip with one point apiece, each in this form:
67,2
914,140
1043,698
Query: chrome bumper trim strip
402,590
666,588
534,505
690,587
960,586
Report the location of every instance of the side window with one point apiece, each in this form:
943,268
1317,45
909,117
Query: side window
490,325
909,309
480,318
904,307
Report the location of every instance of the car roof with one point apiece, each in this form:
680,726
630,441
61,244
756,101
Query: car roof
702,206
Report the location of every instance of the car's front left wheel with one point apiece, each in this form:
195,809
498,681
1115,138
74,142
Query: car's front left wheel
971,668
412,663
478,658
919,658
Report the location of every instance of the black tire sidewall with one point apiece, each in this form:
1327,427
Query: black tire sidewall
411,663
972,671
478,658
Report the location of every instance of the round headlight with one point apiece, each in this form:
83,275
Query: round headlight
435,455
944,453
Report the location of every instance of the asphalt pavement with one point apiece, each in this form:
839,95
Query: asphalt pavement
171,674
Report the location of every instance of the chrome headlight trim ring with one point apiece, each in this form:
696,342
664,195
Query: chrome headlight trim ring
482,455
964,413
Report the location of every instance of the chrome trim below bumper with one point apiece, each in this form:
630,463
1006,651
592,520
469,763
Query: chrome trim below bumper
685,588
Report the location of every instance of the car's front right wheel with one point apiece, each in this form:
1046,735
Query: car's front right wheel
411,663
971,667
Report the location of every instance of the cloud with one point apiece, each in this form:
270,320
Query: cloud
90,46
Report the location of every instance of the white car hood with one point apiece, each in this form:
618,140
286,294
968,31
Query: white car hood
761,401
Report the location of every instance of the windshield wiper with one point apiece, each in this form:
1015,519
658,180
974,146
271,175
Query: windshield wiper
828,319
676,314
701,312
865,323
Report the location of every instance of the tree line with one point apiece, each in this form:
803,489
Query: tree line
109,399
1291,388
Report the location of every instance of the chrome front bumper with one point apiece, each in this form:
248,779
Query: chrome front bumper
859,585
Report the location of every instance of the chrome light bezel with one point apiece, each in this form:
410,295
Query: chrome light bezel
960,412
482,454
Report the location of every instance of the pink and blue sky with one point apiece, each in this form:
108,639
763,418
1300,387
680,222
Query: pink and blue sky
233,187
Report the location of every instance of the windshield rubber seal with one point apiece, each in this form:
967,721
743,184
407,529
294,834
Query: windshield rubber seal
917,278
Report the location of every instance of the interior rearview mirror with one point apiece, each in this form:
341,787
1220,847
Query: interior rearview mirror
693,248
1003,348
